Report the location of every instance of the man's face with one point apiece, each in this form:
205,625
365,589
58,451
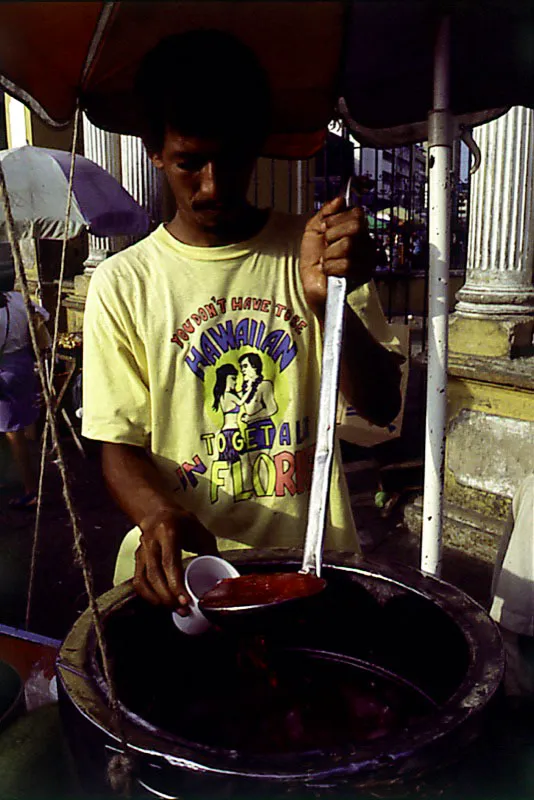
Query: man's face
249,373
209,179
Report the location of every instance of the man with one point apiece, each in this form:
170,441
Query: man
221,279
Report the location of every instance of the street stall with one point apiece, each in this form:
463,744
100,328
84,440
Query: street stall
452,67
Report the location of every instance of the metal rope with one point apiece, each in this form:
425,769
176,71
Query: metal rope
125,774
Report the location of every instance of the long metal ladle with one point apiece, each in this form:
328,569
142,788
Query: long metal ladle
262,594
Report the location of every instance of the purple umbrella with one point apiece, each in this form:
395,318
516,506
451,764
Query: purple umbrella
37,182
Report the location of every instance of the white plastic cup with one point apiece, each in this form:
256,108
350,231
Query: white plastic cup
201,575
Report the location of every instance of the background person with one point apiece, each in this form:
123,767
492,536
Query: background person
19,406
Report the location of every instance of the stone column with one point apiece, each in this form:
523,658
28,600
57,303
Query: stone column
105,150
139,177
499,283
491,353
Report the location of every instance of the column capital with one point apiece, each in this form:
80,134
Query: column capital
97,254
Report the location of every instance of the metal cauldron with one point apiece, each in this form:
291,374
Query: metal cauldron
392,625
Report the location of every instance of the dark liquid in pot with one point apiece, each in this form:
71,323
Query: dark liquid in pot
250,590
246,697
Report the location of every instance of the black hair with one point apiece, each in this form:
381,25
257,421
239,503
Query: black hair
254,360
4,300
222,374
204,83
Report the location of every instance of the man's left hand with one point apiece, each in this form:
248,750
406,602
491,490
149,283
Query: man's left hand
335,242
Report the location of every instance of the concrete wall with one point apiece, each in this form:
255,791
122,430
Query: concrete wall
490,432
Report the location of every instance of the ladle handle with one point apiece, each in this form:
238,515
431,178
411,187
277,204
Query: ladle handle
326,425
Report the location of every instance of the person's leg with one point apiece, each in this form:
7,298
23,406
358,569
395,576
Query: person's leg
21,455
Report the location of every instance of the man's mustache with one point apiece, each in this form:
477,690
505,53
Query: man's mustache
208,205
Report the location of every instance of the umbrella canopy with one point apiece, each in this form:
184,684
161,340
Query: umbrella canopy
37,181
388,64
377,55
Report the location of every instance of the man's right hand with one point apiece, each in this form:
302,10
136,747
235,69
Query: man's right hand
159,574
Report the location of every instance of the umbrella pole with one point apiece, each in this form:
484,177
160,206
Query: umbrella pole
39,272
440,161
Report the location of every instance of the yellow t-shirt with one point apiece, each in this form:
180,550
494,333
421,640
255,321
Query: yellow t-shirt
209,358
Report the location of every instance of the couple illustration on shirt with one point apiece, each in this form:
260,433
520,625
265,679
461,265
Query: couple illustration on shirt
254,404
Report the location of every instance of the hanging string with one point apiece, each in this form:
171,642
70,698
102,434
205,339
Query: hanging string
36,528
65,241
50,376
121,770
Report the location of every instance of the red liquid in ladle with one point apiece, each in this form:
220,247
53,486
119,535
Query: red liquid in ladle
252,590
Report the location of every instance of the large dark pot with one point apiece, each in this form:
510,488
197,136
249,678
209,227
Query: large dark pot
423,644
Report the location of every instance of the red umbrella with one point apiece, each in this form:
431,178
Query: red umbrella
375,54
91,51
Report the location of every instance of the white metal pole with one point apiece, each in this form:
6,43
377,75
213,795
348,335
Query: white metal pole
439,227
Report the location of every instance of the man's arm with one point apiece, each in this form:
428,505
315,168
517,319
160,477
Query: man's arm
116,402
167,529
370,375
